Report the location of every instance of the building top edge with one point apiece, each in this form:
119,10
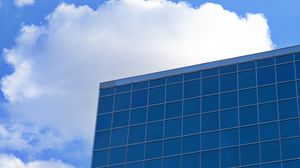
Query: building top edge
202,66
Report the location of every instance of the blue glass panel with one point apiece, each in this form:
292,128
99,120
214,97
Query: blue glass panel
102,139
297,56
229,137
286,90
228,100
289,128
210,121
135,152
172,162
210,103
248,115
191,106
270,151
191,160
123,88
117,136
139,98
138,116
269,131
271,165
284,58
104,121
249,134
210,72
118,166
265,75
229,118
120,119
268,112
100,158
155,130
135,165
157,163
228,82
174,92
247,96
211,159
192,89
140,85
106,104
291,164
298,69
285,72
174,79
210,140
298,87
249,154
173,127
290,148
122,101
156,112
228,69
172,146
191,124
210,85
193,75
156,95
190,143
266,93
136,133
230,157
265,62
246,65
173,109
157,82
117,155
153,149
288,108
247,79
108,91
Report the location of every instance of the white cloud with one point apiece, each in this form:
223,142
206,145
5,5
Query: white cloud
22,3
10,161
58,66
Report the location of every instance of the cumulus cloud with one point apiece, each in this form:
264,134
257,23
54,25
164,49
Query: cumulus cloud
10,161
22,3
59,65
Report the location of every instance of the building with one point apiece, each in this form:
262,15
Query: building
241,112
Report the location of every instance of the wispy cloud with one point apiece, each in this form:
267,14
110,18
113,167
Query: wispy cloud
22,3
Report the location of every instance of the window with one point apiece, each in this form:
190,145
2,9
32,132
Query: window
248,134
191,160
248,115
290,148
139,98
104,122
106,104
122,101
269,131
135,165
135,152
291,163
246,65
268,112
156,95
210,103
230,157
153,163
172,162
140,85
298,69
228,69
265,62
156,112
174,92
249,154
101,140
210,85
211,159
117,155
228,82
173,109
123,88
117,136
100,158
229,137
154,130
265,75
136,133
108,91
173,128
192,89
289,128
228,100
229,118
271,165
210,140
193,75
286,90
191,106
210,121
153,149
174,79
138,116
288,108
285,72
191,124
270,151
172,146
190,143
120,119
210,72
157,82
284,58
247,96
267,93
247,79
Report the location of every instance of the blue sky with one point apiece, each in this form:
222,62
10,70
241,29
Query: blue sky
54,54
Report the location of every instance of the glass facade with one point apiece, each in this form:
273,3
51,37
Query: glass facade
243,115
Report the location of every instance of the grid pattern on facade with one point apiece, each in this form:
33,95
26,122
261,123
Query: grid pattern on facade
241,115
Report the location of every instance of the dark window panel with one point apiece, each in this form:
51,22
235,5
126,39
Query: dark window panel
248,115
117,136
289,128
288,108
228,82
117,155
138,116
190,143
248,134
210,121
267,93
108,91
247,96
139,98
210,103
228,69
268,112
157,163
265,75
191,106
211,159
172,146
228,100
135,152
173,109
135,164
298,69
270,151
122,101
174,79
285,72
105,104
210,85
153,149
249,154
137,133
155,112
271,165
247,79
191,160
246,65
290,148
123,88
100,158
229,118
286,90
229,137
269,131
210,72
155,131
192,89
101,140
210,140
297,56
157,95
174,92
265,62
157,82
120,119
291,163
192,75
140,85
173,128
230,157
284,58
104,121
172,162
191,124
